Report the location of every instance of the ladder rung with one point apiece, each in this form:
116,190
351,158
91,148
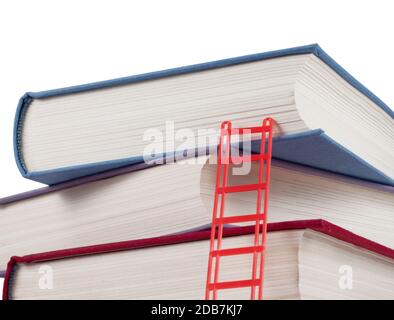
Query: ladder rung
242,188
234,284
248,158
249,130
236,251
243,218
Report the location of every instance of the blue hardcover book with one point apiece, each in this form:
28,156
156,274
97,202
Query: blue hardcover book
326,118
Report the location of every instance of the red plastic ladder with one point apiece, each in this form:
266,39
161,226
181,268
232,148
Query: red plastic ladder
260,217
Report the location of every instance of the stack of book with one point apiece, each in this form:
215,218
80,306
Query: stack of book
131,170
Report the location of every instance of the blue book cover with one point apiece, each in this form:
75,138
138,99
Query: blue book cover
312,148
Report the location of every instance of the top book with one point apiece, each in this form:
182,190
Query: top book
326,118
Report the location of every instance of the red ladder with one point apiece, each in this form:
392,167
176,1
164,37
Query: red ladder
260,217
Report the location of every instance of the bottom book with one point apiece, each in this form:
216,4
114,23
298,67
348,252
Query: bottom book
310,259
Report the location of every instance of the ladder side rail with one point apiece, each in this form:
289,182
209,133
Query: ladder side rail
258,212
214,214
270,122
225,161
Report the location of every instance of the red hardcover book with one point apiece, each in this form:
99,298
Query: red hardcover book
323,233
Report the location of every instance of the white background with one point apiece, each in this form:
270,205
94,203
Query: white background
48,44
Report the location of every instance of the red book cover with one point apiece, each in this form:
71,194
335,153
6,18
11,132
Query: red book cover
316,225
